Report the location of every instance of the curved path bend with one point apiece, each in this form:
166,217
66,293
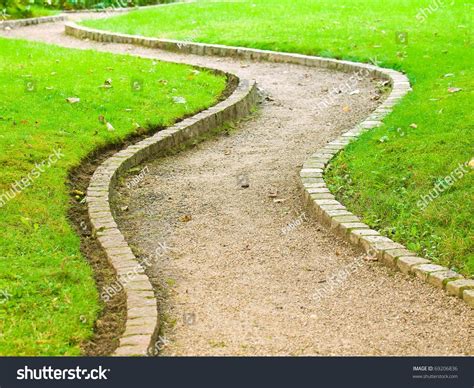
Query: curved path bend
238,270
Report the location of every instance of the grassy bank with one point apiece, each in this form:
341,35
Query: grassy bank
22,12
385,174
48,299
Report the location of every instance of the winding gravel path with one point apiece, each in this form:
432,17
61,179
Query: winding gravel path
230,279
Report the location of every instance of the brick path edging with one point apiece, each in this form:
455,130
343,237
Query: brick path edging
141,324
317,195
5,24
142,318
318,198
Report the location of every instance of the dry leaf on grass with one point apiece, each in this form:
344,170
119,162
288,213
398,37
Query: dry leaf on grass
454,90
179,100
73,100
109,126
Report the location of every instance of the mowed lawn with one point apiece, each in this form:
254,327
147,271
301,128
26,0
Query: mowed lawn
384,175
48,298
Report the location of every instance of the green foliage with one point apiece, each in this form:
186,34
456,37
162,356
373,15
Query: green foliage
16,9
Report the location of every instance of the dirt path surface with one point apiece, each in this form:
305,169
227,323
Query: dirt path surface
231,277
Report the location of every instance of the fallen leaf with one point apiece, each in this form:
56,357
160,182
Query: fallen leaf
185,218
179,100
273,193
107,84
73,100
454,90
370,258
346,109
101,118
413,125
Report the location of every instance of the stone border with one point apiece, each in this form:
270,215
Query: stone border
9,24
335,215
122,9
141,326
317,195
99,10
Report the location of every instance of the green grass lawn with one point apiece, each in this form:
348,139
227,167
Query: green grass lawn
46,285
383,175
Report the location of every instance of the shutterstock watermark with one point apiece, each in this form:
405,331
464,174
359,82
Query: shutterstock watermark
434,6
188,40
138,178
294,224
117,286
4,15
443,184
158,346
4,296
337,279
347,87
118,4
401,37
50,373
25,182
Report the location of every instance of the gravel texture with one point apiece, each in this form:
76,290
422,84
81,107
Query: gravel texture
232,277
